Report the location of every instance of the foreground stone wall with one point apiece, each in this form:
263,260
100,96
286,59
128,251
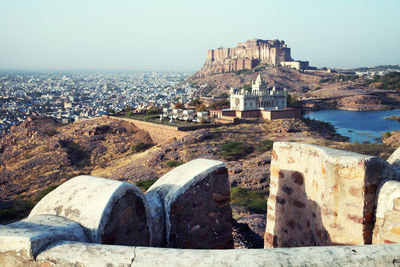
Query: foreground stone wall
112,212
387,226
318,196
196,198
321,196
84,254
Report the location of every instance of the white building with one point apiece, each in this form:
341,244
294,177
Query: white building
260,98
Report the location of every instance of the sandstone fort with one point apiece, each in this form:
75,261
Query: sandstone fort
248,55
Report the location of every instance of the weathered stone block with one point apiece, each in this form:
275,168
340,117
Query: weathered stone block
394,159
196,198
23,240
112,212
387,214
330,192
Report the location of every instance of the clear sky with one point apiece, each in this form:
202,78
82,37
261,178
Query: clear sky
175,35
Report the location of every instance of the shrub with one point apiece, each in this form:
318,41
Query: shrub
254,200
293,100
234,150
387,135
152,111
203,121
140,146
44,192
265,145
372,149
201,107
174,163
144,185
20,210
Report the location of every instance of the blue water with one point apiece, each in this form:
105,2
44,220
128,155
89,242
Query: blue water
359,126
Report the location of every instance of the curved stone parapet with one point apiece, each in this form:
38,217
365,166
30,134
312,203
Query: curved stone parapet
195,197
387,225
112,212
394,159
322,196
23,240
80,254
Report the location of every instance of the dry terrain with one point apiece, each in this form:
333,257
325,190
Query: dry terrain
40,154
317,89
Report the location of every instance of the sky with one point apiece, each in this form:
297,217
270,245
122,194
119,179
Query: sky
174,35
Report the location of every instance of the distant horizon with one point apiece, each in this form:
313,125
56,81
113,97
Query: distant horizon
46,35
148,71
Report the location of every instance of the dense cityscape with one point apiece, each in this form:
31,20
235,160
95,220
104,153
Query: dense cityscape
73,96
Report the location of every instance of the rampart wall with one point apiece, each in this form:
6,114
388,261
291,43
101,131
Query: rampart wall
319,197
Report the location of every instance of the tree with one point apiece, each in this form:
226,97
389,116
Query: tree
293,100
152,111
111,111
179,105
201,107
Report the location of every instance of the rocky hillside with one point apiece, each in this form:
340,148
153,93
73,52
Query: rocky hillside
319,89
40,152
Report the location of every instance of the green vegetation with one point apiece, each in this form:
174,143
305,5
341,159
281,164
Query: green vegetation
220,104
255,200
22,208
386,135
246,87
243,71
389,81
393,118
293,100
225,95
144,185
111,111
264,145
152,111
258,69
233,150
340,78
44,192
174,163
374,149
140,146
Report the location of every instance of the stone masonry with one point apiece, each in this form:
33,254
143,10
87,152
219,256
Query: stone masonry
321,196
112,212
246,55
196,198
387,226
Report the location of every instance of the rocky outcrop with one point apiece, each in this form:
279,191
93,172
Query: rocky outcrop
40,152
246,55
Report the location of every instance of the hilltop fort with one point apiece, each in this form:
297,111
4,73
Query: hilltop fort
248,55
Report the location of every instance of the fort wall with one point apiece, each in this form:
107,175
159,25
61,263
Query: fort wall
319,197
246,55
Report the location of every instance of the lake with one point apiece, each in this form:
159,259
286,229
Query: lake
359,126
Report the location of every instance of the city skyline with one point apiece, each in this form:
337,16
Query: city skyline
121,35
